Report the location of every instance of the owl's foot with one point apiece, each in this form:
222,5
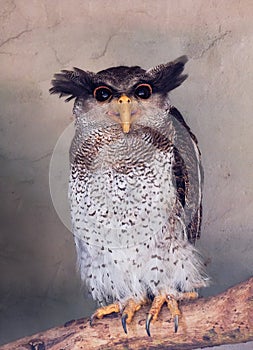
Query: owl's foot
172,304
129,310
105,310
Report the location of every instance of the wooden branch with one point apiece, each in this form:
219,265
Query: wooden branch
223,319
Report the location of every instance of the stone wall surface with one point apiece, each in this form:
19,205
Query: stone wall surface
39,284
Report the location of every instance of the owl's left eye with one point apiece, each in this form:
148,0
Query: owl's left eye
143,91
102,93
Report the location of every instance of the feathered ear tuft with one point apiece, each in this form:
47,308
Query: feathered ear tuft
74,84
167,77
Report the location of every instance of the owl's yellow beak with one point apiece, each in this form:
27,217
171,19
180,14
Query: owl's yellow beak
124,105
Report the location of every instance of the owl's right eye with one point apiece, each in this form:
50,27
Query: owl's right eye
102,93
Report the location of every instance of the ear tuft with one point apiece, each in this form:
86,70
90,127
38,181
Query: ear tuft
74,84
166,77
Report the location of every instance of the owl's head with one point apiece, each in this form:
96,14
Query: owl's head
120,94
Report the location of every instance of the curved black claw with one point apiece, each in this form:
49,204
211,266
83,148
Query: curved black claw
123,321
92,319
176,323
148,320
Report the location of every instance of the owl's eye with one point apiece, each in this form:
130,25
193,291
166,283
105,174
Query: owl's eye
102,93
143,91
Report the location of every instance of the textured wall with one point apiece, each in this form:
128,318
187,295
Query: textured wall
39,286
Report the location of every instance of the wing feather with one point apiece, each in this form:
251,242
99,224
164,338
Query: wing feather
188,174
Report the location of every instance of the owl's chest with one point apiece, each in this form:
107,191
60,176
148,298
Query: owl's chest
126,198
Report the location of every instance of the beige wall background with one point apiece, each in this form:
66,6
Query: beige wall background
39,284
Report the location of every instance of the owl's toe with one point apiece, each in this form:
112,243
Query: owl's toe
172,305
130,309
155,310
104,310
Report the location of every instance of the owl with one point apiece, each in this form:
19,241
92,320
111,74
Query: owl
135,189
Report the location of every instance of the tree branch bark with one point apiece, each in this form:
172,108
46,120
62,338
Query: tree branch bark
223,319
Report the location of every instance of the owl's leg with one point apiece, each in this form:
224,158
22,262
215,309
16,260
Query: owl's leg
129,310
105,310
172,304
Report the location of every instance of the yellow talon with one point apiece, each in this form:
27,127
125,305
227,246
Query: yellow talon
172,305
131,308
129,311
105,310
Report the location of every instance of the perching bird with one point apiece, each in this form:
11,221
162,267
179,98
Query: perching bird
135,189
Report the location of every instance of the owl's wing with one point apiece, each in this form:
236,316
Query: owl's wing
188,174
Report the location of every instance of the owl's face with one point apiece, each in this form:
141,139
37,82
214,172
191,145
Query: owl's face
120,95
